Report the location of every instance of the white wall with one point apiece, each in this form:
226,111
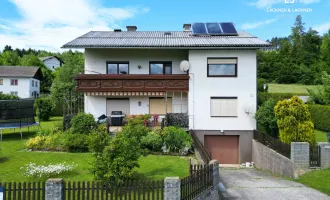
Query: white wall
24,87
201,88
52,63
95,59
96,106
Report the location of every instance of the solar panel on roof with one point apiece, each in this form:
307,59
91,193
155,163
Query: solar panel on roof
198,28
213,28
228,28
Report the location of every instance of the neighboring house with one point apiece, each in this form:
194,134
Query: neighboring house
52,62
21,81
139,72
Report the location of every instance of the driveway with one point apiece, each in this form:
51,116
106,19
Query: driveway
253,184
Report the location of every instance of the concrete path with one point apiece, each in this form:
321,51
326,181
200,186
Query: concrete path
251,184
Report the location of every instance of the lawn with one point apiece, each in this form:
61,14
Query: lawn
13,156
318,180
321,136
290,88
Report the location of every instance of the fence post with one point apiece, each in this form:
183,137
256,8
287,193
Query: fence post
55,189
300,155
324,155
172,188
216,175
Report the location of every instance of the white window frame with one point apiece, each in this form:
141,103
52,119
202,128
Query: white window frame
14,93
11,83
222,104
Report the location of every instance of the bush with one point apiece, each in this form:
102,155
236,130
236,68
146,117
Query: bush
176,139
264,96
261,83
265,116
137,119
44,106
82,123
8,97
294,121
152,142
322,95
177,119
320,116
67,121
75,142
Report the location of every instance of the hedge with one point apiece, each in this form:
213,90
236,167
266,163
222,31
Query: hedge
264,96
320,116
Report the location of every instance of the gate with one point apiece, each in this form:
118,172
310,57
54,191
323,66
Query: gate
314,156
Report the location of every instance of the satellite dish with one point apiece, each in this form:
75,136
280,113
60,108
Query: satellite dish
185,65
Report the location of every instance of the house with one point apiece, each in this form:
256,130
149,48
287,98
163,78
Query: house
21,81
52,62
208,70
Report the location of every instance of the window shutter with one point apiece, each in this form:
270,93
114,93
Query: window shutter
215,61
158,106
223,107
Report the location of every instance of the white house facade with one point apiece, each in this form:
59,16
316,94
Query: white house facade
139,72
23,82
52,62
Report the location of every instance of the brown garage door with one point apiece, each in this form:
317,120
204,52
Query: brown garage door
223,148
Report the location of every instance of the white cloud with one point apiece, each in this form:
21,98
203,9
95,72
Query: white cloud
322,28
269,3
49,24
254,25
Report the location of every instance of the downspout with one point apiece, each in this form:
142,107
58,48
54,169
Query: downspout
193,100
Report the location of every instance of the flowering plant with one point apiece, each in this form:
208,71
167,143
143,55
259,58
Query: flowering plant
46,171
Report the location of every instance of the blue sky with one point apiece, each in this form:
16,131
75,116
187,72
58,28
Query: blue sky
48,24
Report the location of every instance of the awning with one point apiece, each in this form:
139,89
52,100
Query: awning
125,94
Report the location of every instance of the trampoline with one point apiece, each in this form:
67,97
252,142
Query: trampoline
17,114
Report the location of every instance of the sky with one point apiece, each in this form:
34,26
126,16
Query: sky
48,24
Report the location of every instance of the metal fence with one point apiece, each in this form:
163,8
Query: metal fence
273,143
24,191
205,155
131,189
314,156
199,180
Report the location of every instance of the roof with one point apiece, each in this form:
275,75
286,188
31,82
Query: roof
21,72
50,57
162,39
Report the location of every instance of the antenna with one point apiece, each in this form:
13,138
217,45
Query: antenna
184,65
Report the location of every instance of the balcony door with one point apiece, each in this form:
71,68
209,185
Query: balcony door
118,105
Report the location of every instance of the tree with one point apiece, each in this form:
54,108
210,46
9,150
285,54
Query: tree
265,116
294,121
322,95
43,106
9,58
325,48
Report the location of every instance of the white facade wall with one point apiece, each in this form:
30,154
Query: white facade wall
24,87
202,88
52,63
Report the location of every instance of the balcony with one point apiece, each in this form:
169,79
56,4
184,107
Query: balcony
132,83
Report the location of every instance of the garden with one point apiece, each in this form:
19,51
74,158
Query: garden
79,149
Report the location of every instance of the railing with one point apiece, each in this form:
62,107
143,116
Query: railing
273,143
132,83
97,190
205,155
200,180
314,156
23,191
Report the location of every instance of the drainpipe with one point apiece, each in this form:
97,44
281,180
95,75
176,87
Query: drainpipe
193,99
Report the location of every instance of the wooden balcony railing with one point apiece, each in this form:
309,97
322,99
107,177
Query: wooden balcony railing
132,83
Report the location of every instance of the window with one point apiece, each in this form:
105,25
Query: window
157,106
13,82
222,67
36,83
14,93
160,68
223,106
1,81
32,83
117,68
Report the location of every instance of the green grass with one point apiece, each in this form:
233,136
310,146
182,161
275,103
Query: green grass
290,88
321,136
318,180
13,156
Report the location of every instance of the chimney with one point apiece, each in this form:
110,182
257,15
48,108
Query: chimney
186,27
131,28
117,30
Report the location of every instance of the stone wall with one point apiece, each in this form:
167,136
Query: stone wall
267,159
325,157
300,155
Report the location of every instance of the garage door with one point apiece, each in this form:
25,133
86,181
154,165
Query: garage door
223,148
118,105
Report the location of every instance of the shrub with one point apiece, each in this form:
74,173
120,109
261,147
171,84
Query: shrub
8,97
265,116
322,95
320,116
152,141
43,132
177,119
44,106
67,121
137,119
43,172
36,143
264,96
82,123
261,83
176,139
294,121
75,142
